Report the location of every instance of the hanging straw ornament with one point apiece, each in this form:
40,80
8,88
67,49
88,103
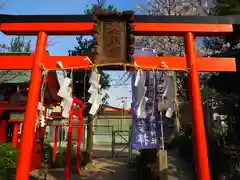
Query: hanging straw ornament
41,117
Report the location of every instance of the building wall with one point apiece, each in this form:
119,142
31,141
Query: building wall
107,122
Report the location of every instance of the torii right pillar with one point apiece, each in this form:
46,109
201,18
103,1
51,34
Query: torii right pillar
199,137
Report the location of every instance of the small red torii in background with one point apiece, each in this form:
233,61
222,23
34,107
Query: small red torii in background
45,25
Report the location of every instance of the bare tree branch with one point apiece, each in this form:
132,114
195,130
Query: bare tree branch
172,45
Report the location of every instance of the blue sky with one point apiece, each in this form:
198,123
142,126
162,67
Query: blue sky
63,44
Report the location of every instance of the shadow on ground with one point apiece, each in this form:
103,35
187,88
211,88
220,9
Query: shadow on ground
103,167
177,169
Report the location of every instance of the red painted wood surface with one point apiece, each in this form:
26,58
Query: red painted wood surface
55,146
36,155
198,129
15,135
28,133
144,29
147,62
3,132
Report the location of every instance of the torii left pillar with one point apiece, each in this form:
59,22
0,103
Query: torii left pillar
28,134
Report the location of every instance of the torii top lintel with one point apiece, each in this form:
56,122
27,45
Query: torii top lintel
144,25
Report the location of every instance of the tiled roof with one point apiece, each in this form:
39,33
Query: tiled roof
14,76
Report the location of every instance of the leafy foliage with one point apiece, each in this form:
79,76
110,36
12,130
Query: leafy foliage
61,157
8,156
227,101
18,44
8,160
216,151
94,7
226,7
230,99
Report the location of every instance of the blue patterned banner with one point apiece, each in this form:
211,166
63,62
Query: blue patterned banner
145,131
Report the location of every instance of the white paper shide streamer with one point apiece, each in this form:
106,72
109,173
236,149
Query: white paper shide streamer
167,103
141,91
41,116
65,92
94,89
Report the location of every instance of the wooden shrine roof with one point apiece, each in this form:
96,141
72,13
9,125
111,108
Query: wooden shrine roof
10,79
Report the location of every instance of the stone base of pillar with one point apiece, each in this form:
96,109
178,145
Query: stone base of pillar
163,164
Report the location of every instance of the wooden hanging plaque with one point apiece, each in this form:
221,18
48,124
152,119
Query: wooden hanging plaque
111,34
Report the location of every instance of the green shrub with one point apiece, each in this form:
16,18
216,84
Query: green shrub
61,157
220,160
8,161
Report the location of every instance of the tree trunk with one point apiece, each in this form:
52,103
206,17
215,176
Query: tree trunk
90,137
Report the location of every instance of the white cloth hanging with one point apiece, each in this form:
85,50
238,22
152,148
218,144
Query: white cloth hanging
96,104
140,86
142,107
168,85
94,89
169,94
167,100
67,107
169,112
94,77
137,78
64,91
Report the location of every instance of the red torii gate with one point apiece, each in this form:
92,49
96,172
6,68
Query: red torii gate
44,25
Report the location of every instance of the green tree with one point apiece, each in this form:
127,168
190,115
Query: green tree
8,161
229,101
86,46
227,85
19,44
221,44
229,7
